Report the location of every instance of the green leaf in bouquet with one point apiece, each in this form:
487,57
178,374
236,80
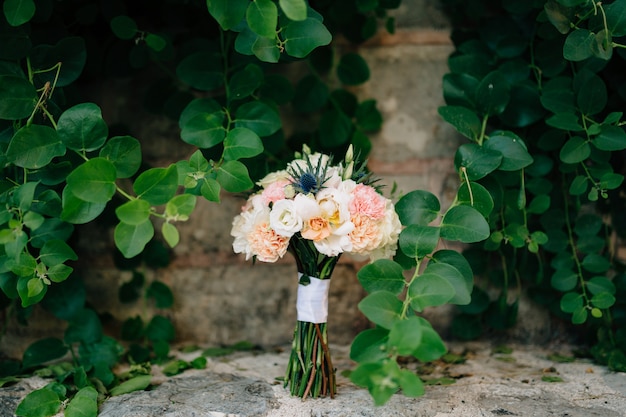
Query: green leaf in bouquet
515,155
124,152
382,308
245,82
564,280
43,351
228,13
124,27
210,189
161,293
382,275
82,129
34,146
294,9
335,128
352,69
579,45
418,207
405,336
240,143
134,212
233,177
475,195
157,185
428,290
492,94
370,345
180,207
55,252
610,138
84,327
132,239
311,94
170,234
431,347
266,49
465,224
201,70
78,211
17,98
575,150
418,241
83,404
137,383
478,161
262,17
464,120
42,402
302,37
460,89
258,117
93,181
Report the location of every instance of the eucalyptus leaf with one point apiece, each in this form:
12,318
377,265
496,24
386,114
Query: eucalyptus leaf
465,224
132,239
17,97
429,290
157,185
302,37
233,177
124,152
93,181
258,117
34,146
477,161
464,120
228,13
578,45
418,207
40,402
240,143
417,241
82,129
382,275
262,17
84,403
294,9
515,155
405,336
382,308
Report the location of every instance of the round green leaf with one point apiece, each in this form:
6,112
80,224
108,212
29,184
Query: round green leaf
382,275
17,97
492,94
579,185
464,120
595,263
418,241
93,181
161,293
228,13
564,280
233,177
266,49
55,252
465,224
611,138
616,17
455,277
459,89
475,195
59,273
597,285
432,347
243,83
429,290
591,95
34,146
124,27
134,212
156,42
335,128
515,155
578,45
18,12
43,351
160,328
575,150
124,152
84,327
70,51
262,17
210,190
181,206
418,207
382,308
202,70
241,143
301,37
311,94
132,239
352,69
78,211
565,121
157,185
82,129
405,336
83,404
170,234
294,9
478,161
369,345
603,300
137,383
41,402
571,302
258,117
204,130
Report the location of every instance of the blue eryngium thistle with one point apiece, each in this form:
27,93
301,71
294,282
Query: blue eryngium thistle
310,178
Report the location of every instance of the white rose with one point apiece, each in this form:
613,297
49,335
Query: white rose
284,218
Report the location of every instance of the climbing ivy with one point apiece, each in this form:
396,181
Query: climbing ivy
537,88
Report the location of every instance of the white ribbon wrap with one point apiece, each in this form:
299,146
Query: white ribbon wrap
312,301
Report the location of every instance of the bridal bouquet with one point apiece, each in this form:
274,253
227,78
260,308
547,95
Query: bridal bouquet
316,211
